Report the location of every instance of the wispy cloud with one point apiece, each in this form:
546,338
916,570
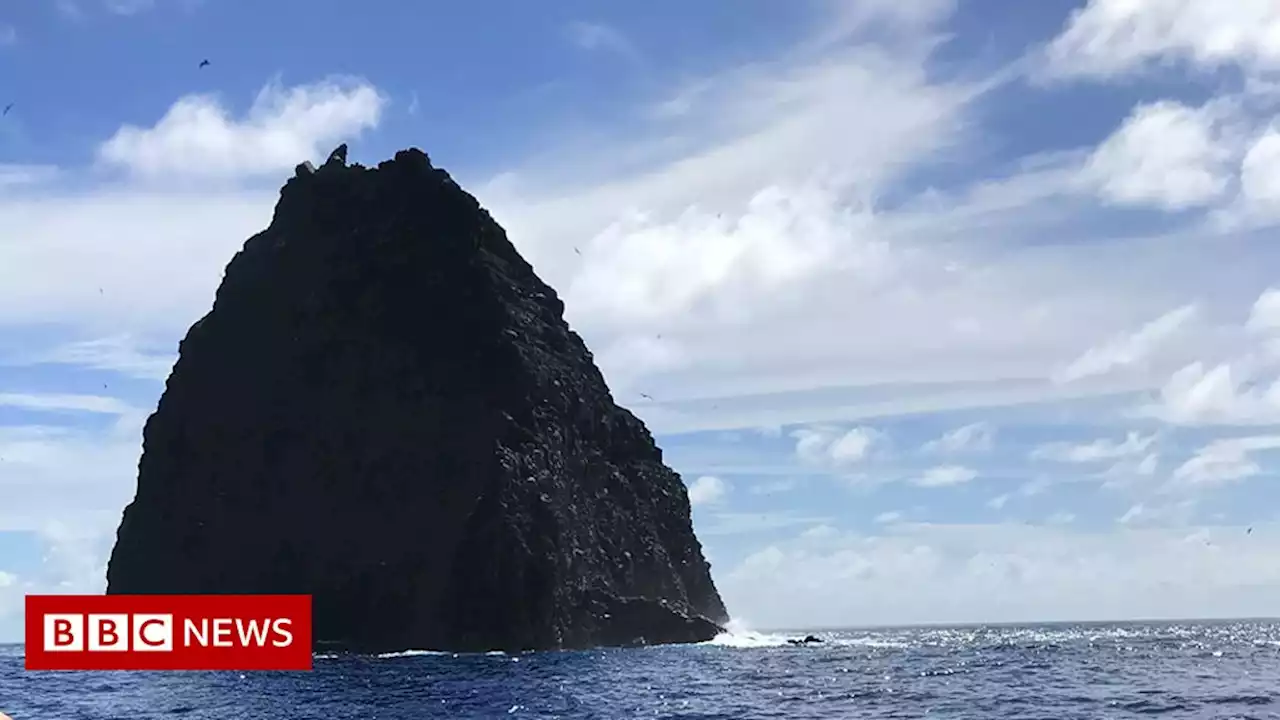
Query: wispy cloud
1129,349
601,36
66,403
945,476
128,7
973,438
1095,451
1224,461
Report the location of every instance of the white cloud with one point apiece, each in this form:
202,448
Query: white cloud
1098,450
1238,386
887,518
120,354
765,232
1131,472
975,437
1224,461
757,250
707,490
1005,572
1165,154
18,175
1264,316
1129,349
945,476
601,36
129,7
742,523
62,261
79,477
197,137
54,402
998,502
822,445
1260,176
1222,394
1111,38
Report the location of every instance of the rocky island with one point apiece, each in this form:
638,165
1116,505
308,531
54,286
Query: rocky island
386,409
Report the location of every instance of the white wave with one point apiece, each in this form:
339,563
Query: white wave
738,635
411,653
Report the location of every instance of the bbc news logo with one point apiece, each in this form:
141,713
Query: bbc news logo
168,632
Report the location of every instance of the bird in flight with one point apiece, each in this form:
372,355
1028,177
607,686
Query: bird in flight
7,108
203,63
647,397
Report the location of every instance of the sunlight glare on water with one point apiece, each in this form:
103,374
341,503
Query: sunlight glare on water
1174,670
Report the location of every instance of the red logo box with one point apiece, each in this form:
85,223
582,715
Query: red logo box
168,632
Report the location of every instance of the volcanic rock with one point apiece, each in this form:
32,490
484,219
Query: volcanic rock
386,409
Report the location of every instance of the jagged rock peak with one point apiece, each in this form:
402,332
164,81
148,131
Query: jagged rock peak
386,409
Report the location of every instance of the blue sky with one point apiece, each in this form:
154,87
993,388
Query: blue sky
948,313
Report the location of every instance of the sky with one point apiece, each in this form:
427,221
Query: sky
945,313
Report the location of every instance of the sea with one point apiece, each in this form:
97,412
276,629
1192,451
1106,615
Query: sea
1218,669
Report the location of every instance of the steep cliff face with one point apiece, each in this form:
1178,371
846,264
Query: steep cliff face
386,409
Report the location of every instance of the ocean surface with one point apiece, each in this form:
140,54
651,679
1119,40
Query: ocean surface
1228,669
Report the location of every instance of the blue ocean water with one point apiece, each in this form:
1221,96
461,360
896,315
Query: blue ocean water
1048,672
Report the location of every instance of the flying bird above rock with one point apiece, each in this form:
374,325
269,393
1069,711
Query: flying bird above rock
7,108
204,63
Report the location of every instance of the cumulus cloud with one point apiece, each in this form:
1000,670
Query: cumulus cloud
1260,176
821,445
1098,450
975,437
1202,395
707,490
1264,316
1224,461
945,476
750,248
199,138
1240,387
1165,154
1113,38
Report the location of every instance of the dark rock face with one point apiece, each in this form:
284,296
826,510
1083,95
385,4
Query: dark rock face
385,409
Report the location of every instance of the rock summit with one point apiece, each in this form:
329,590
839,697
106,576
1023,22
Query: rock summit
386,409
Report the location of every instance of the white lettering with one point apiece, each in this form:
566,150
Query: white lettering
201,633
108,633
249,630
152,632
222,632
281,628
63,632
